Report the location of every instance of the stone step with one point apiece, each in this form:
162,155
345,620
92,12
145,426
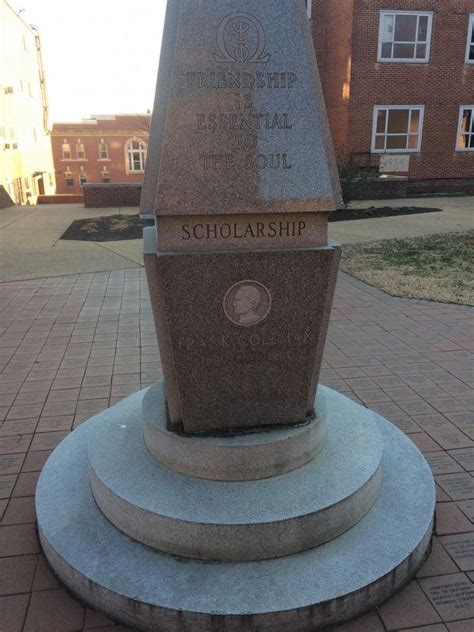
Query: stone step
236,457
244,520
151,590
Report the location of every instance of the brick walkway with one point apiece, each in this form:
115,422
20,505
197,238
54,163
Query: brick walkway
71,346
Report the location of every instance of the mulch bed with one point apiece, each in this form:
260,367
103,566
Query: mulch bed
125,227
344,215
112,228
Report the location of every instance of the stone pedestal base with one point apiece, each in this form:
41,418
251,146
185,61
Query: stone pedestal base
241,334
152,590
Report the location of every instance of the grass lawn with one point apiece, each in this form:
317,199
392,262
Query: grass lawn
436,267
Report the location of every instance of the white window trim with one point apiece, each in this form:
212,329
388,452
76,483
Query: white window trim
397,107
470,32
106,151
461,108
403,60
129,171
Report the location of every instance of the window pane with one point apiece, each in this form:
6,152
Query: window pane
381,118
415,122
397,142
379,142
471,53
423,28
404,51
398,121
387,28
467,121
413,141
421,51
405,28
387,51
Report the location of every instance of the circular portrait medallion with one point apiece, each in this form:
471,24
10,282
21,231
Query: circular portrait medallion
247,303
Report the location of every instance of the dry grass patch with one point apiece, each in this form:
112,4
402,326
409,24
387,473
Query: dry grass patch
436,267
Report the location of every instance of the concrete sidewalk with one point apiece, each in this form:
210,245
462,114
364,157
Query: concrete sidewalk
31,247
30,244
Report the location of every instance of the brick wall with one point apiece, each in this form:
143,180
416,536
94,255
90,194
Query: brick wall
115,131
112,195
332,35
441,85
5,199
61,199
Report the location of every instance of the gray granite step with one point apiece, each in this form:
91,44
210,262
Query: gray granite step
244,520
151,590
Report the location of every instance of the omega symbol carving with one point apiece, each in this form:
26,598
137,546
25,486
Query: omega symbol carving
247,303
241,40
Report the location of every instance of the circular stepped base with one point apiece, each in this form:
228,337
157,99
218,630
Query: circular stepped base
242,457
149,590
237,521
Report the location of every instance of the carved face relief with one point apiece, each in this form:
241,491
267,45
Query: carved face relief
247,303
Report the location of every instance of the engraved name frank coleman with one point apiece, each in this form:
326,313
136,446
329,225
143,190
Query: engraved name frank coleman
245,341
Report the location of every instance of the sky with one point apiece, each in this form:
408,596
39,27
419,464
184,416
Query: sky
100,56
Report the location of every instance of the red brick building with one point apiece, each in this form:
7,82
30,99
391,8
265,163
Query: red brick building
102,149
398,79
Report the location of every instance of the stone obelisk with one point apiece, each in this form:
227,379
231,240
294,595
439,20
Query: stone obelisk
241,178
238,494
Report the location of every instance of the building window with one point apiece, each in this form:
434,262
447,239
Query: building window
69,179
397,128
105,175
82,177
135,150
80,151
66,148
309,8
103,152
465,140
404,36
470,41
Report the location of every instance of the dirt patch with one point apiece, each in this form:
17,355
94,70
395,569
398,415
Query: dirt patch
344,215
112,228
436,267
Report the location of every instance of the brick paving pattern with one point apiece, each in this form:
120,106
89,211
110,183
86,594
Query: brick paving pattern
71,346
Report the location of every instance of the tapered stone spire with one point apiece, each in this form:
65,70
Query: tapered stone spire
241,177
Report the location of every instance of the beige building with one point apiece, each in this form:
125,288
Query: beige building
26,160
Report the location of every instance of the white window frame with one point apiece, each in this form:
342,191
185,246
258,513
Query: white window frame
410,150
69,178
464,107
309,8
78,151
404,60
104,145
129,150
469,43
82,176
67,151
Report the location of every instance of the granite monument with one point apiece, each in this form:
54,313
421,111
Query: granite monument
240,270
237,494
